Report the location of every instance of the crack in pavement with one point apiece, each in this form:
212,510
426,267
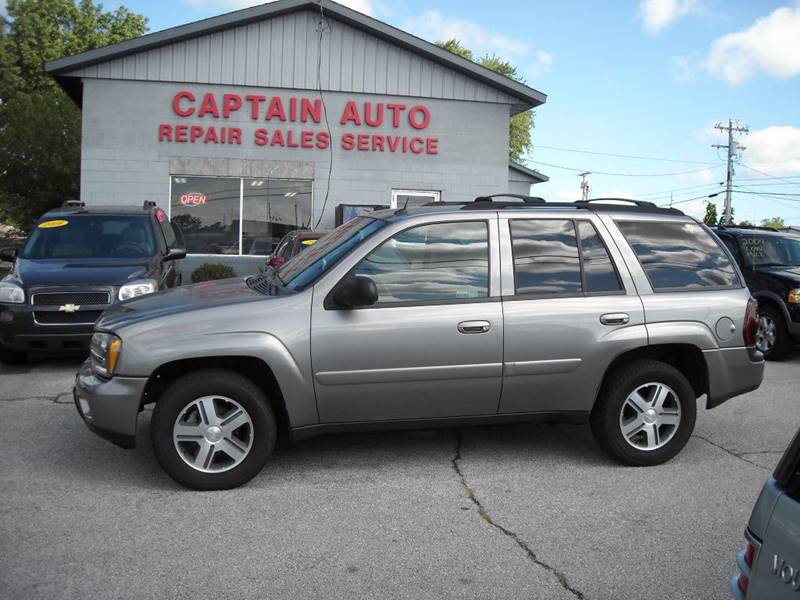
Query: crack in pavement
739,455
56,399
562,579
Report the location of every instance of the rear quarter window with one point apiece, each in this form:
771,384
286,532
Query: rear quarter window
677,256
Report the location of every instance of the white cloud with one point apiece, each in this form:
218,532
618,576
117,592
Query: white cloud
363,6
775,150
433,25
544,60
771,44
657,15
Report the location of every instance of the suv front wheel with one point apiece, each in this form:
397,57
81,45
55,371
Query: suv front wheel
645,413
213,430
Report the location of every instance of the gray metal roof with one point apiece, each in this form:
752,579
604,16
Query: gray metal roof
533,174
60,69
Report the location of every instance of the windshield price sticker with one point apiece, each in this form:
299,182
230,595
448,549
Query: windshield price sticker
51,224
308,242
754,246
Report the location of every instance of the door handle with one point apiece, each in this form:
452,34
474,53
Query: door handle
474,326
615,319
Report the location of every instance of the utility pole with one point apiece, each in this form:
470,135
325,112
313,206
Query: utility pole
733,149
586,185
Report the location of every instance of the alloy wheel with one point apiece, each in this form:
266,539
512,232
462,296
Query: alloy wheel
213,434
766,334
650,416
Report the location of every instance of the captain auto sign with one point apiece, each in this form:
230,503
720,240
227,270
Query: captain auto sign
366,123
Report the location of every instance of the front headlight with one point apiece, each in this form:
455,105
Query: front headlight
138,288
11,293
105,350
794,296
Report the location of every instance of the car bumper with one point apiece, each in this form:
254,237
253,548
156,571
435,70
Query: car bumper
732,372
19,331
109,407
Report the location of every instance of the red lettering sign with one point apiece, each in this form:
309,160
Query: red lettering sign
193,199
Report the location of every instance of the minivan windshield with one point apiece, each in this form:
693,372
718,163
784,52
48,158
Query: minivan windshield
306,267
91,236
771,250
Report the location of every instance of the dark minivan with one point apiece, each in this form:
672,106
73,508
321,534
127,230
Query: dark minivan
77,261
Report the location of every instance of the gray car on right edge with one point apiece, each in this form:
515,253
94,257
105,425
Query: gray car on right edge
483,312
769,564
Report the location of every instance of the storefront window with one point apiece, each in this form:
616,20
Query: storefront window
230,215
272,208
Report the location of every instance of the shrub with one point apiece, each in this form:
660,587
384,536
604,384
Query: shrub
211,271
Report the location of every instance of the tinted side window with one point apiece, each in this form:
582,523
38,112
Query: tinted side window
599,272
679,255
431,263
545,257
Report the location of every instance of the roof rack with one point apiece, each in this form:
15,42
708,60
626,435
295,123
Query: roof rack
149,204
744,226
606,204
73,204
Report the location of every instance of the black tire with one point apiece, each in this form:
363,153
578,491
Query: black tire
12,357
212,382
606,415
783,342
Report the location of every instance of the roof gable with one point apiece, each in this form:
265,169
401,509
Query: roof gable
275,45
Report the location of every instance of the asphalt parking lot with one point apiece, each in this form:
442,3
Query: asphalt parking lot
531,511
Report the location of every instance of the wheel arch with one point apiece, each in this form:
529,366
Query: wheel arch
253,368
686,358
768,298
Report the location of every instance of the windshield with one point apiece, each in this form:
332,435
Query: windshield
771,250
306,267
91,236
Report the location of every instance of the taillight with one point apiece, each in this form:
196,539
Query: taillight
745,560
751,323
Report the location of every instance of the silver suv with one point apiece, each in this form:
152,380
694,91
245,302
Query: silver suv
484,312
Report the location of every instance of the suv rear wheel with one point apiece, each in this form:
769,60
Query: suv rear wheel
772,338
645,414
213,430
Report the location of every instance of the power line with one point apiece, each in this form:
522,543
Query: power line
683,189
539,162
634,156
767,174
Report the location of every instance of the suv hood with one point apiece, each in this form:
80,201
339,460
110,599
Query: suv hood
33,273
200,296
790,274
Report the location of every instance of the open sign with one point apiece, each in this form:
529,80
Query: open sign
193,199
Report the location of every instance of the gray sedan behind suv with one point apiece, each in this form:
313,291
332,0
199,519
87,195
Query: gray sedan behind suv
481,312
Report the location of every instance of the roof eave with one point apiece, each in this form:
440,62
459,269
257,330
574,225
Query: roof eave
535,175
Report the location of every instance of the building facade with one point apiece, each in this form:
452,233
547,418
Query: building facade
263,120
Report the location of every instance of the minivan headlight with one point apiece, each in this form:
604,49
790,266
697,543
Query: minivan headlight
105,349
11,293
138,288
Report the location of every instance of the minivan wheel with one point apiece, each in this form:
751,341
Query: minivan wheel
772,338
645,413
213,430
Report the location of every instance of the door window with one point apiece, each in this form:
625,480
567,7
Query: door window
549,259
440,262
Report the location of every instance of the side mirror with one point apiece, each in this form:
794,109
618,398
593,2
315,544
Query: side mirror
276,262
8,254
175,254
354,291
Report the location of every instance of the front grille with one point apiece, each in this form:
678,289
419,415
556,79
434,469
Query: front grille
78,298
65,318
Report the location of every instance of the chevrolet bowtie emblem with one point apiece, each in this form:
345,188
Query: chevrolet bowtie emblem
69,308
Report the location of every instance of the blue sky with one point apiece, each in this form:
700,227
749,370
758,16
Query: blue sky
646,79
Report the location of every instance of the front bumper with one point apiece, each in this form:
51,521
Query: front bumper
19,331
109,407
732,372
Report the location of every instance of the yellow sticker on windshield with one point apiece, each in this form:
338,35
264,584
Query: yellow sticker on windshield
308,242
51,224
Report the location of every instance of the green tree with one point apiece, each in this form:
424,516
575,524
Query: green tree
39,125
711,217
774,222
519,138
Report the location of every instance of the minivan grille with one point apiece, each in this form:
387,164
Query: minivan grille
79,298
64,318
